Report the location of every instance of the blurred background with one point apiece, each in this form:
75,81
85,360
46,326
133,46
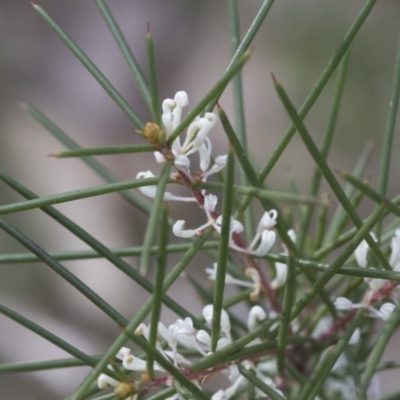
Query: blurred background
192,50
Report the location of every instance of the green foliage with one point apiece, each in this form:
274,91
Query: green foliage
315,275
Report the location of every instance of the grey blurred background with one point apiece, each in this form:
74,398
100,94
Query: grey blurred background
192,50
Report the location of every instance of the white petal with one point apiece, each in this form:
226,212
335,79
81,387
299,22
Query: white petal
210,202
159,157
167,116
267,241
136,364
212,272
178,230
166,334
181,98
223,342
355,337
103,381
256,314
361,254
203,337
281,275
123,351
205,154
343,303
267,221
208,313
292,235
182,162
386,310
361,251
219,165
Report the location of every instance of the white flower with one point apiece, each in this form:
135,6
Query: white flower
203,337
255,277
234,227
386,310
264,236
361,252
205,154
281,269
178,230
103,381
137,364
123,351
256,314
208,312
267,241
184,332
210,202
280,277
196,136
219,164
172,111
267,221
343,303
182,162
264,239
151,190
355,337
230,280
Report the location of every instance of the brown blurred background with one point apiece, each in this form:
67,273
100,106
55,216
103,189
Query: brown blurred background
192,50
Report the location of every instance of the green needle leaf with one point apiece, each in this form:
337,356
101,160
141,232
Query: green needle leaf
91,67
152,225
326,142
215,92
13,258
125,50
158,285
64,273
389,133
102,171
44,333
32,366
319,86
324,368
105,151
240,123
141,315
339,261
269,391
284,326
74,195
326,171
377,351
371,193
165,364
96,245
223,253
151,62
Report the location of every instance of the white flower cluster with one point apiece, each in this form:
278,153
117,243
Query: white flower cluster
197,141
374,284
182,333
